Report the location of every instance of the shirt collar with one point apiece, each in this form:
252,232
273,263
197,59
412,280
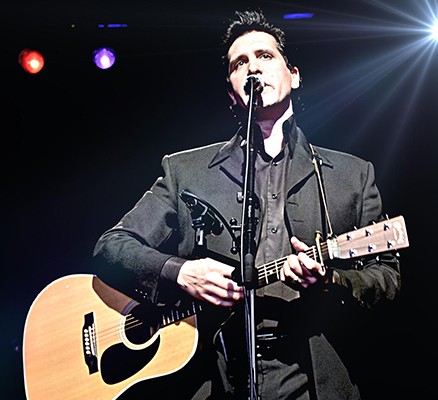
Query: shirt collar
290,134
238,141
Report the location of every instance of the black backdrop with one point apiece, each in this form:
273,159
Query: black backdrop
81,145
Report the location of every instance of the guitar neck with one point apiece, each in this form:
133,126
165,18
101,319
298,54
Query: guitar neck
388,235
373,239
172,314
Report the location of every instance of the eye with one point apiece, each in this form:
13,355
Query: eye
238,64
266,56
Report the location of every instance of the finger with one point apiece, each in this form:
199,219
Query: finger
222,296
221,268
309,266
298,244
291,269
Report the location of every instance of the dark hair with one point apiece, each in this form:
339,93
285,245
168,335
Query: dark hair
247,21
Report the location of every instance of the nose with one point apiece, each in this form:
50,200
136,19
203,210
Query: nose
253,66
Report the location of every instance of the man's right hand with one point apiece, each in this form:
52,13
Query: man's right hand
210,280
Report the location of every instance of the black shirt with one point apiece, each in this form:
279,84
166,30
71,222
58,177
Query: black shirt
274,237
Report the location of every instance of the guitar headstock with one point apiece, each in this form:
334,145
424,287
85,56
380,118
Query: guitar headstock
382,236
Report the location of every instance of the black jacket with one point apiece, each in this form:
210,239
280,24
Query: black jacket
158,230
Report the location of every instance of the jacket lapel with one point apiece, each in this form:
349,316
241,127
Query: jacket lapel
301,164
231,160
230,157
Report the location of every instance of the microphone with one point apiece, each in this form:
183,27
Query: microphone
255,82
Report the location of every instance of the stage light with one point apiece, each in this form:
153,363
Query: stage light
434,31
298,16
31,60
112,26
104,57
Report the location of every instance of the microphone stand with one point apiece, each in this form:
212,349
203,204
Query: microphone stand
248,270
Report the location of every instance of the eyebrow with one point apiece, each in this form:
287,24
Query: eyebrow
270,50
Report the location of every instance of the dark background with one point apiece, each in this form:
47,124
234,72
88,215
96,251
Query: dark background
81,145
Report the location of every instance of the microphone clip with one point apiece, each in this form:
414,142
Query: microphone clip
204,220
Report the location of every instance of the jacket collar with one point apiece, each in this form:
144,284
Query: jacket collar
230,157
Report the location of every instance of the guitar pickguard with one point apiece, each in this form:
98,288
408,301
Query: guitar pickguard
118,362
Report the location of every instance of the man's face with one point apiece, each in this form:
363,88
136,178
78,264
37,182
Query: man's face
256,53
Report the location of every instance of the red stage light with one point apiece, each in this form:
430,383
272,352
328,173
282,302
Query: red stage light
31,60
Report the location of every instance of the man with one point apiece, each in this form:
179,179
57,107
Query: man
305,321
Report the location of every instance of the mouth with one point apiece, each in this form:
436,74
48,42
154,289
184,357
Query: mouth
259,91
266,86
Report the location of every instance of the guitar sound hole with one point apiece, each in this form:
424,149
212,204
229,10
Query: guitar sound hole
142,323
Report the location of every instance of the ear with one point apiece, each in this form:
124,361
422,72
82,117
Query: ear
296,79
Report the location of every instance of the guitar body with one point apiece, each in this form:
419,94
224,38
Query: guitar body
75,344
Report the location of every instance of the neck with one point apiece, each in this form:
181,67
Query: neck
272,131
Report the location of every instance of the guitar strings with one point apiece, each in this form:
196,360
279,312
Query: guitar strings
267,270
168,317
130,322
274,267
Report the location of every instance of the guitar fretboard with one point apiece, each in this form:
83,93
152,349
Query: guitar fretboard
270,272
174,314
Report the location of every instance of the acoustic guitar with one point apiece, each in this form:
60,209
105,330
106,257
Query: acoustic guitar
86,340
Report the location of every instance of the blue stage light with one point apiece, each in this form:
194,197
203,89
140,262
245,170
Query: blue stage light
298,15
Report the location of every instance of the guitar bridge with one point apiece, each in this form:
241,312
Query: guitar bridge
89,343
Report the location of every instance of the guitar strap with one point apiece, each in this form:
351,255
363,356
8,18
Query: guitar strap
326,223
